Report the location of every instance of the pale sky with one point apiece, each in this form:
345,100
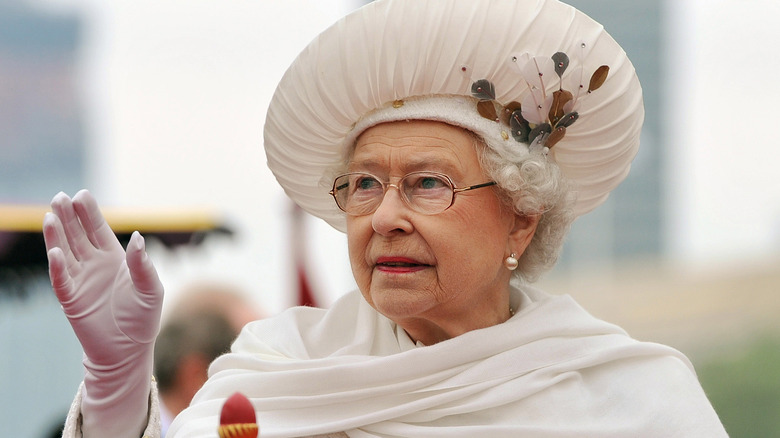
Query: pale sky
726,153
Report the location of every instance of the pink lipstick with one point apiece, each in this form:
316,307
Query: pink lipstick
399,265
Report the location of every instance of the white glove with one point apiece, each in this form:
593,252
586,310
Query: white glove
113,301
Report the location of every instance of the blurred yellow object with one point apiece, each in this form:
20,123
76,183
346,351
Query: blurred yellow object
29,218
21,236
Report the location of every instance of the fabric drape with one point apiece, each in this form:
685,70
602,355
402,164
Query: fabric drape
552,370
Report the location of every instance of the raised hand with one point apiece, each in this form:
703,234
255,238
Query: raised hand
113,300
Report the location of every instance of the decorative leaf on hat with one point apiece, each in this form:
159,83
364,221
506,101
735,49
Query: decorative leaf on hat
568,119
540,130
536,107
519,126
555,136
487,109
561,61
560,99
538,71
598,78
543,117
483,89
508,110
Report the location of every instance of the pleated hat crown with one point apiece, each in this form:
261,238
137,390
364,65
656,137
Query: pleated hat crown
420,59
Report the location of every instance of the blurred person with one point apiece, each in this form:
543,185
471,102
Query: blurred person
219,297
454,142
201,325
184,349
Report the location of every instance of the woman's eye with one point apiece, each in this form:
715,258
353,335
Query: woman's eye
367,183
430,182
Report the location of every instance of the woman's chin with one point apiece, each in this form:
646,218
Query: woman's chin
399,304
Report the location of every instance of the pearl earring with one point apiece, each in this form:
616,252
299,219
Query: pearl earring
511,262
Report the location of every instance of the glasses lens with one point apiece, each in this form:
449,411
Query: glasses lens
428,193
358,193
425,192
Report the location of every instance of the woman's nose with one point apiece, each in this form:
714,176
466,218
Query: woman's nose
392,214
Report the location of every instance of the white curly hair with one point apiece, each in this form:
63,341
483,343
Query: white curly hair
531,184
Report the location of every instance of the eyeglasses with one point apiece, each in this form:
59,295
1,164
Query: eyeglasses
429,193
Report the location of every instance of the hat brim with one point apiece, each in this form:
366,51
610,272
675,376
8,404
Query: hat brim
396,49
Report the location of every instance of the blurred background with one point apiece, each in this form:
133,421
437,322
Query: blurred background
158,107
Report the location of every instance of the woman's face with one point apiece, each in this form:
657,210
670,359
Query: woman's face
440,275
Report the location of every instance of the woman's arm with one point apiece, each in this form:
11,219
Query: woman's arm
73,422
112,299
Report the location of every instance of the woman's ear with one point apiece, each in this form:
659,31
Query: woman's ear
522,232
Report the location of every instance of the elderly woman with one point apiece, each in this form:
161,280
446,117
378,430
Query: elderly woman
458,139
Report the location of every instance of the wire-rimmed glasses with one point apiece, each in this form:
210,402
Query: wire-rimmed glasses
428,193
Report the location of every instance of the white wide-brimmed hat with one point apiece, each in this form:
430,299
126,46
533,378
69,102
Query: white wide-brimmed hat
471,63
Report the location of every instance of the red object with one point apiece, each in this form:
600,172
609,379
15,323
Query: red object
298,234
237,409
305,296
238,419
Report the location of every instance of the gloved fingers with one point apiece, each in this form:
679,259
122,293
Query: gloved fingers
149,293
142,271
54,237
95,226
61,281
74,231
62,264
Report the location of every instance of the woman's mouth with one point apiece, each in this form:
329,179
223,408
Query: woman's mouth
399,264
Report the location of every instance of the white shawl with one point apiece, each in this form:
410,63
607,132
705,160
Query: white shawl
552,370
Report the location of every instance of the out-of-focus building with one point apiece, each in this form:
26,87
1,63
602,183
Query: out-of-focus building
41,112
